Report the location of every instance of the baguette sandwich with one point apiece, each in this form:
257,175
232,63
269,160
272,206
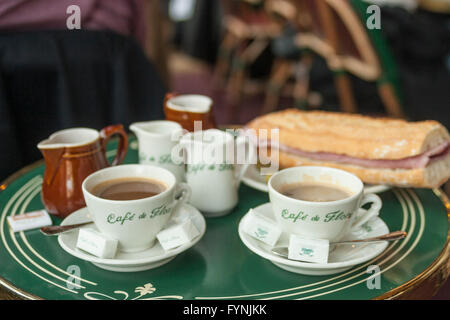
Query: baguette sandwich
377,150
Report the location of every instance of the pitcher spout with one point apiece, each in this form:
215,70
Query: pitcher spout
137,129
55,146
158,128
69,138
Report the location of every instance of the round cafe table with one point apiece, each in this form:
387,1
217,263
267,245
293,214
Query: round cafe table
220,266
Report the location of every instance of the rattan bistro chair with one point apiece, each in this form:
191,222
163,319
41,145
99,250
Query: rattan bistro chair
389,86
247,33
298,63
335,30
362,52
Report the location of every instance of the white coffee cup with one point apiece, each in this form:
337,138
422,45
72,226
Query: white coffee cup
157,139
330,220
134,223
212,171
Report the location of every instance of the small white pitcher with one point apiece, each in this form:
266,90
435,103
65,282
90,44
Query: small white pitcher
157,140
212,171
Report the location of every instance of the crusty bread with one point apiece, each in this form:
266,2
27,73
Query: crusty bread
352,135
433,176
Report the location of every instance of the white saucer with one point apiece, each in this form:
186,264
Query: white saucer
255,180
344,257
129,262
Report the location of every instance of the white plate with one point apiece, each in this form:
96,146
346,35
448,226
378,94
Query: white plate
129,262
253,179
344,257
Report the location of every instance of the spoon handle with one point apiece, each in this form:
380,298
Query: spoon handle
55,230
396,235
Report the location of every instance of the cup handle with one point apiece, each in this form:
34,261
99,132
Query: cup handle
240,169
365,215
182,195
109,131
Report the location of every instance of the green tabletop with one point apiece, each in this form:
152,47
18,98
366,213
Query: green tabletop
219,266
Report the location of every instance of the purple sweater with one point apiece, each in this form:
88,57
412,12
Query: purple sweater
127,17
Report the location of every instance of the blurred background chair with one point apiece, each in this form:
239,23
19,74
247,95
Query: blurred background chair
374,51
333,30
248,31
293,59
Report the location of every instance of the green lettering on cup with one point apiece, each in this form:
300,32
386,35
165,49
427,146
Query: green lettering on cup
112,219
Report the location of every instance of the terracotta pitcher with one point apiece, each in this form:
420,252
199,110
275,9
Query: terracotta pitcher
70,156
188,108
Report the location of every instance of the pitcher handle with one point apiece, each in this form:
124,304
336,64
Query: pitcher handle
109,131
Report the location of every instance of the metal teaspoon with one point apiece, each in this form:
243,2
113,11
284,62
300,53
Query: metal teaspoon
55,230
396,235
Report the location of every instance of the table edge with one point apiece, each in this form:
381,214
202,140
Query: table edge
440,264
5,284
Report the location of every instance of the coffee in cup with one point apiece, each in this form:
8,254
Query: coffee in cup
315,191
129,188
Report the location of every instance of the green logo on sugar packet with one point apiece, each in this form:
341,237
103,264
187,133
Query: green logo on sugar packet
260,233
306,252
328,217
129,217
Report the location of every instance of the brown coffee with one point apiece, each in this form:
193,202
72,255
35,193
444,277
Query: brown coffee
314,191
128,189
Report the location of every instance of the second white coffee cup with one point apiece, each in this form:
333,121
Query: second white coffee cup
330,220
